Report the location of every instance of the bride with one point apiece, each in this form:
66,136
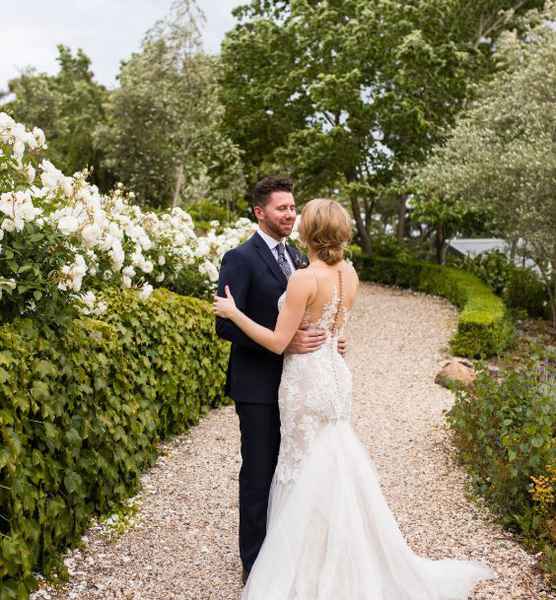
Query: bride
330,534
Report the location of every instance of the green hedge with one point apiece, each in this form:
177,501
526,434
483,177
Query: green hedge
82,411
520,287
484,328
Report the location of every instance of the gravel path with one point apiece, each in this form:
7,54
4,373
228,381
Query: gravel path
183,543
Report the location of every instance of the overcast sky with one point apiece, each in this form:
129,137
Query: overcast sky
107,30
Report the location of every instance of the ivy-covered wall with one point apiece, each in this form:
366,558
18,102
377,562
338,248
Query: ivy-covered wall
82,410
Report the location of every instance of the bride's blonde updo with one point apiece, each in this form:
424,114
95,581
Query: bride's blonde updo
325,228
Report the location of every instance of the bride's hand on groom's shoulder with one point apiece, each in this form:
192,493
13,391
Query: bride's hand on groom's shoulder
306,340
224,307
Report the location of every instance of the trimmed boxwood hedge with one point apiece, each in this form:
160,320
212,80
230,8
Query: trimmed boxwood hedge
82,411
484,328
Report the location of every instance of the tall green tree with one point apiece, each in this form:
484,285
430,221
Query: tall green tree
67,106
163,136
344,94
445,220
502,152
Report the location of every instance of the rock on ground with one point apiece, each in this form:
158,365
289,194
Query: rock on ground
183,545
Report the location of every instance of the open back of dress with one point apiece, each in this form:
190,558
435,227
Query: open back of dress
315,388
328,309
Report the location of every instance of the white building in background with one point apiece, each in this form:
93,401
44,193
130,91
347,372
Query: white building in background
473,247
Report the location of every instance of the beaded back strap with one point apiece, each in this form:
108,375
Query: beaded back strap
338,302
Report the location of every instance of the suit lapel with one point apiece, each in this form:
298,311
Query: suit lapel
266,254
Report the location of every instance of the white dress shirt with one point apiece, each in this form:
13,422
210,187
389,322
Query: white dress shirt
272,243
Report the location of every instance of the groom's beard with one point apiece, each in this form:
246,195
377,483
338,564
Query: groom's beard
280,230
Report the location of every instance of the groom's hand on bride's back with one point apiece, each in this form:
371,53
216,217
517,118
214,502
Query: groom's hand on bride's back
309,340
306,340
342,345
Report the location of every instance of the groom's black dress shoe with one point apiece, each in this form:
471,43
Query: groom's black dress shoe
244,576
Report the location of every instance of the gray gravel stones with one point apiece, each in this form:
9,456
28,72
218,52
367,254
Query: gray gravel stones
183,543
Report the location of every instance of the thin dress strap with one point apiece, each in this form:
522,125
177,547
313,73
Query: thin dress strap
339,303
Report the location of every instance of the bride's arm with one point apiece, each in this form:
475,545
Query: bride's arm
301,290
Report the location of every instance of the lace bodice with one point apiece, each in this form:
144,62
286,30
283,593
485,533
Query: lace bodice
331,314
315,390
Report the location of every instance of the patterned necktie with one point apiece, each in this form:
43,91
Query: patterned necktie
283,261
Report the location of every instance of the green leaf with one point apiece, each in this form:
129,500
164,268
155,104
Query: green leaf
72,482
40,390
51,431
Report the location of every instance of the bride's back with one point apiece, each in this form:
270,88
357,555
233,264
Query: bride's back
315,389
335,291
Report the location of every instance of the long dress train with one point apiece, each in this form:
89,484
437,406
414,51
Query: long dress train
330,533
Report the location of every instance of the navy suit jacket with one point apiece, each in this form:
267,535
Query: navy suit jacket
256,282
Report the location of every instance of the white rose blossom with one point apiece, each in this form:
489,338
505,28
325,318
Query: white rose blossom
117,238
146,291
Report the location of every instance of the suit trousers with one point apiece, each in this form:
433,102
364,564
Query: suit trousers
260,443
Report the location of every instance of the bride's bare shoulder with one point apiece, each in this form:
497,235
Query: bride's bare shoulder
302,279
349,270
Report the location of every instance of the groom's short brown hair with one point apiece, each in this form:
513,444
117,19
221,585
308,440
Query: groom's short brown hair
265,186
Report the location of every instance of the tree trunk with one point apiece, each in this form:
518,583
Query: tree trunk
547,272
443,253
361,228
402,217
552,300
439,241
513,249
180,180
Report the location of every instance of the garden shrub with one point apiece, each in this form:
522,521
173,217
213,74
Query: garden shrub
505,431
492,267
525,290
389,271
389,246
205,213
82,410
484,328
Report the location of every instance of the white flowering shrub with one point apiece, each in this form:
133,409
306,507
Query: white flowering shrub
61,241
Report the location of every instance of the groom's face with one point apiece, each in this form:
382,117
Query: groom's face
277,216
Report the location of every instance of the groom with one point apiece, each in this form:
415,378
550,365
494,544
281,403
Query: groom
257,273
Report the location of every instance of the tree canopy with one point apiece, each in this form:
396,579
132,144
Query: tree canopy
502,151
67,106
344,94
163,133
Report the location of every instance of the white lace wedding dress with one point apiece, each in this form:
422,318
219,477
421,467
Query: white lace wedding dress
330,533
